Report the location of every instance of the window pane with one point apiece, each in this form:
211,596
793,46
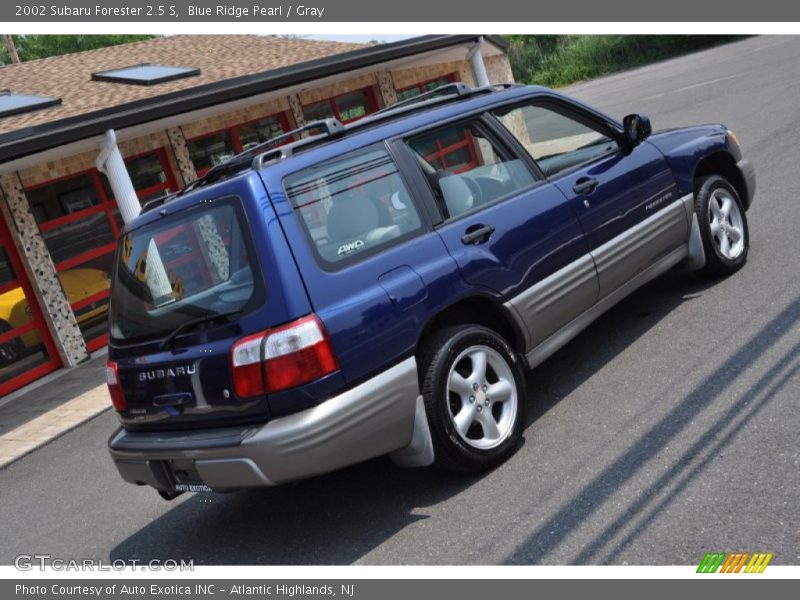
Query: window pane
451,147
21,354
259,132
432,85
411,92
7,273
353,105
555,141
318,111
190,264
63,197
353,205
146,171
75,238
211,150
86,287
474,172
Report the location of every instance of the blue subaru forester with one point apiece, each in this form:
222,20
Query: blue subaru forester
344,292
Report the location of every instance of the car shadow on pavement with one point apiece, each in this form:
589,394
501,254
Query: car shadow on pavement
741,408
330,519
340,517
570,367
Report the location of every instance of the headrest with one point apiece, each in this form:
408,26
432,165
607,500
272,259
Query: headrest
456,193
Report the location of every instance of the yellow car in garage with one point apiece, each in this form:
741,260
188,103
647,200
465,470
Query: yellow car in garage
78,284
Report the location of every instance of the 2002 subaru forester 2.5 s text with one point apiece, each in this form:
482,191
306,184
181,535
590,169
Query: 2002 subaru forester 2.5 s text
379,288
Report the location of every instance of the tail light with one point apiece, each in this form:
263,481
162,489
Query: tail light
282,358
114,387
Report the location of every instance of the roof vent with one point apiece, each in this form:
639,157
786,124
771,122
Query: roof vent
145,74
14,104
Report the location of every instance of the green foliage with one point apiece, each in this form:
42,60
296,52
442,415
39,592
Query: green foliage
31,47
557,60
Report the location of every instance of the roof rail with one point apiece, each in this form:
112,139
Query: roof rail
449,89
255,157
441,95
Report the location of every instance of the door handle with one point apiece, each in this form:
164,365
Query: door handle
585,185
477,234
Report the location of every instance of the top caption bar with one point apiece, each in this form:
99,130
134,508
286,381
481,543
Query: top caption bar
541,11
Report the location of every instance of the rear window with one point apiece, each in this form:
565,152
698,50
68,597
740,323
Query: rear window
353,205
189,265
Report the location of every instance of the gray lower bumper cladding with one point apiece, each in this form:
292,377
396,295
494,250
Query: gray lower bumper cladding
383,415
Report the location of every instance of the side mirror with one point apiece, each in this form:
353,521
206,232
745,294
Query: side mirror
636,128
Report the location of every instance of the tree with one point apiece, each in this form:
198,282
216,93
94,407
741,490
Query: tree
31,47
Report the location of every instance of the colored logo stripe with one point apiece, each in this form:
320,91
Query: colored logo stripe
711,562
759,561
734,562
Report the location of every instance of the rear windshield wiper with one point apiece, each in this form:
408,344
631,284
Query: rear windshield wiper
183,327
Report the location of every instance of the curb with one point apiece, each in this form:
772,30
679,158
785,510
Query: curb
53,424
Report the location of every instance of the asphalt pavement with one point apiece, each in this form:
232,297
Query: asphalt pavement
667,429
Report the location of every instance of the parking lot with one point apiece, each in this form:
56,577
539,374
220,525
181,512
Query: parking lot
666,430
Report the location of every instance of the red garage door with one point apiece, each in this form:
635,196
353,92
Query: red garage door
26,349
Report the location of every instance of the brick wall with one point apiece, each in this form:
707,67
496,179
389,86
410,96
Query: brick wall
77,163
235,117
404,78
315,94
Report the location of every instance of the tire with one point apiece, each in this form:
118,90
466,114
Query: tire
450,367
723,226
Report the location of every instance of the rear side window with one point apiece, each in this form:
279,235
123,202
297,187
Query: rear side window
353,205
557,142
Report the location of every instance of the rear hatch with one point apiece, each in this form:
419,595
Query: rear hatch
188,283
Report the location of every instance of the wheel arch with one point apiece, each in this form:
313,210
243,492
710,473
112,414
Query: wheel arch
722,163
477,309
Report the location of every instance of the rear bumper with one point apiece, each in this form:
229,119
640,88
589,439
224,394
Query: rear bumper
749,177
377,417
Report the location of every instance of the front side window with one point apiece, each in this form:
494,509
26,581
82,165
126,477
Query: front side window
191,264
466,168
353,205
557,142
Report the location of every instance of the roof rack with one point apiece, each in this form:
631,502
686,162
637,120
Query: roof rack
256,156
443,94
449,89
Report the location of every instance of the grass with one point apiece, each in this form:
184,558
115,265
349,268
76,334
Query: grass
559,60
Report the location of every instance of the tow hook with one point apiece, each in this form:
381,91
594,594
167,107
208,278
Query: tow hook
169,495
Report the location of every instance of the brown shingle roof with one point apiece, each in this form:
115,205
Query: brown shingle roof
218,57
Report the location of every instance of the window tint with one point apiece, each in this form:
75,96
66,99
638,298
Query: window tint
466,169
555,141
353,205
187,265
